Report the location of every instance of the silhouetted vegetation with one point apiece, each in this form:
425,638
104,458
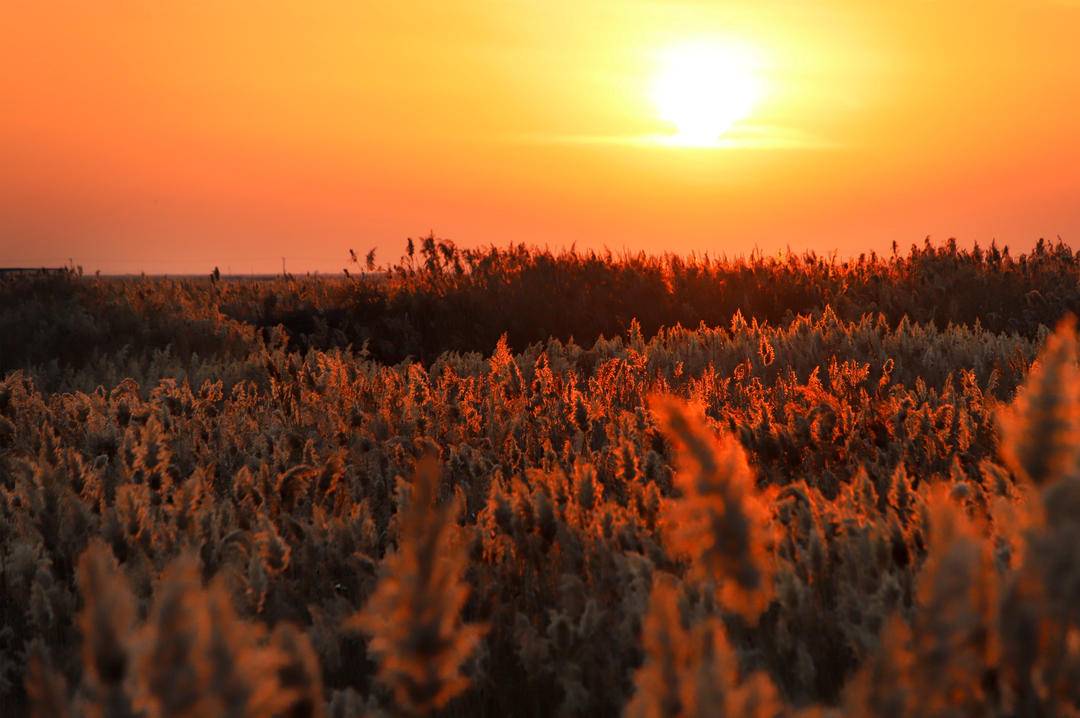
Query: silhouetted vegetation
439,298
850,489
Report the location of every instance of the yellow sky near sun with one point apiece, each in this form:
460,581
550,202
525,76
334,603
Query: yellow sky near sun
172,137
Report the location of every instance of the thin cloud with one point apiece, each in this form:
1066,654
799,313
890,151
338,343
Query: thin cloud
748,137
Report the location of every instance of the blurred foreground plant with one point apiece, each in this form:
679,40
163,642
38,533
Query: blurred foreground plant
414,616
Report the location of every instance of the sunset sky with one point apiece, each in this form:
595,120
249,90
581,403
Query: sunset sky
176,136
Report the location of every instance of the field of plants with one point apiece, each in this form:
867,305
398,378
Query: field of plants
511,482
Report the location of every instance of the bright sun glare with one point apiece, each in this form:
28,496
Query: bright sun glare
705,88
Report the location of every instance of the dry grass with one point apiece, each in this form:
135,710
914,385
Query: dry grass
821,518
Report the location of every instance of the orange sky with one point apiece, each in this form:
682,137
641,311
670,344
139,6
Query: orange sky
175,136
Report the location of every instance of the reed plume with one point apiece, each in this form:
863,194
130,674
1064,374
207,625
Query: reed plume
414,616
657,689
720,521
199,658
693,672
107,623
1041,430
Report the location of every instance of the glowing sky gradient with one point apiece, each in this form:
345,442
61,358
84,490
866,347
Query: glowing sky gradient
176,136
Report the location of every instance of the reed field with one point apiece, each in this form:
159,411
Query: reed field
515,482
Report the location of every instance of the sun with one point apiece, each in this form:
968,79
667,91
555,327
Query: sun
704,88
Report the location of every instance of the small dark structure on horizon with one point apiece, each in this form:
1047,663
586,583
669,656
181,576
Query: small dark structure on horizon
4,271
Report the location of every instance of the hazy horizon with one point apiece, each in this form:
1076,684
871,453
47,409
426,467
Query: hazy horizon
327,267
